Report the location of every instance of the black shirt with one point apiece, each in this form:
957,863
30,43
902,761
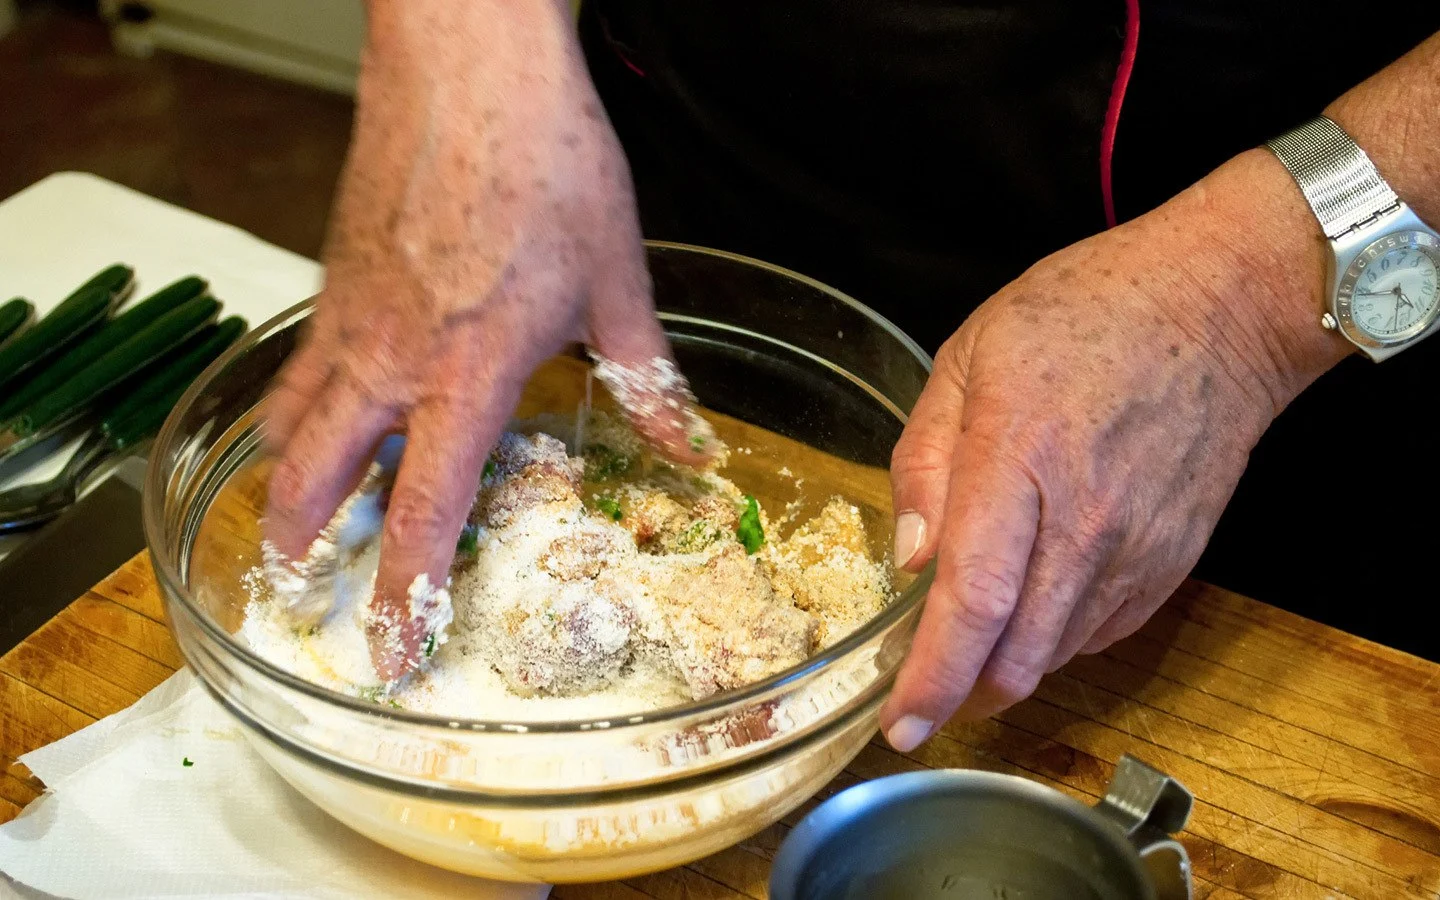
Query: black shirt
919,154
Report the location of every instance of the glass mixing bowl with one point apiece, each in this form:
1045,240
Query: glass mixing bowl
796,374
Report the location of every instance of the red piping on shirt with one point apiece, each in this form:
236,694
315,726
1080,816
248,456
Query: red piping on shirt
1117,100
619,52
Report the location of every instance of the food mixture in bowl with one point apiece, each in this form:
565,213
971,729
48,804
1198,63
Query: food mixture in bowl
597,584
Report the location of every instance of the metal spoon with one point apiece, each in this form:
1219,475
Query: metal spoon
129,422
35,504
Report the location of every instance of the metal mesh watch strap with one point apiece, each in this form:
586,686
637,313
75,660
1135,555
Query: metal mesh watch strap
1338,179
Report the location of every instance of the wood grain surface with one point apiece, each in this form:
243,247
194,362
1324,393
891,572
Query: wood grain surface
1314,755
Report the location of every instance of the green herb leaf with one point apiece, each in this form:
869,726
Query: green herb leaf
610,507
373,694
429,648
469,543
697,442
396,705
697,537
749,531
605,464
489,468
186,762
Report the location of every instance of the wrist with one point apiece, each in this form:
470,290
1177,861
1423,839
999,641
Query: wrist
442,32
1261,258
1259,265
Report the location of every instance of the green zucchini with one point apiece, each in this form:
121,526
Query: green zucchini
14,316
128,420
96,379
117,278
86,307
111,334
146,421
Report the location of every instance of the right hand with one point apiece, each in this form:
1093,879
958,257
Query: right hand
485,218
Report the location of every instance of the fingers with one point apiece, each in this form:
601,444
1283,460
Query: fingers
322,462
658,404
1100,601
434,489
991,516
297,386
920,469
1122,623
1083,618
1055,585
633,361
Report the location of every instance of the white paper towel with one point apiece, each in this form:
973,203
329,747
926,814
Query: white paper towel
126,818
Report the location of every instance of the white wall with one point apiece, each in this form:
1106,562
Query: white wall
314,42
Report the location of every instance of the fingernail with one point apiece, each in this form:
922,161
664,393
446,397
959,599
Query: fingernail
909,732
909,535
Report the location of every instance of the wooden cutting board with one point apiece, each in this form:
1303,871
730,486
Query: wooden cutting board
1314,755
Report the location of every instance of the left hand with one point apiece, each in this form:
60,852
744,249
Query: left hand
1072,451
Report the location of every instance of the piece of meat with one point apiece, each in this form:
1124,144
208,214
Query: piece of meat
838,524
652,517
527,472
583,554
709,521
719,511
824,568
569,642
725,625
542,587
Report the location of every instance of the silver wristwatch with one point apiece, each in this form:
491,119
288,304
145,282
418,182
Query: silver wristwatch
1383,288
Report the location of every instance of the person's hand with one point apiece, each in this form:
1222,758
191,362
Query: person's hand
1077,441
484,220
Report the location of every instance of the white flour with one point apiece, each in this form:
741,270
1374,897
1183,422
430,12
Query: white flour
559,612
655,390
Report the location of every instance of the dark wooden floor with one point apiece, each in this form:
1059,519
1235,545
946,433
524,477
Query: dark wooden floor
244,149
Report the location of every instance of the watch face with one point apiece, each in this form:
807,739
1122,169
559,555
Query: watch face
1391,291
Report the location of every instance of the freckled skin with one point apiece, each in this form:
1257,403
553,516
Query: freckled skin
1077,441
484,220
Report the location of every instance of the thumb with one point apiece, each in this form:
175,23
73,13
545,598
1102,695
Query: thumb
921,463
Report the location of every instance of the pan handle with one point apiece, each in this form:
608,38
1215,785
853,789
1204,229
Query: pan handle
1150,807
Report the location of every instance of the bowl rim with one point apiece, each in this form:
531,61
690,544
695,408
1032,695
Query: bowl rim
176,589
